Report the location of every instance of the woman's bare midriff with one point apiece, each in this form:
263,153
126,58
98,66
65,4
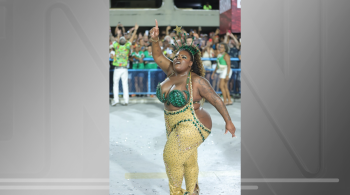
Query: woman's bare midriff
202,115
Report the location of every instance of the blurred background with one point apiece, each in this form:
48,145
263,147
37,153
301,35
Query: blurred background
210,23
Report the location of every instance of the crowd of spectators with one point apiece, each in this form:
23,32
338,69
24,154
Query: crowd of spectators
208,44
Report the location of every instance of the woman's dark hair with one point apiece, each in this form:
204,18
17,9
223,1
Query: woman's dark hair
197,66
225,45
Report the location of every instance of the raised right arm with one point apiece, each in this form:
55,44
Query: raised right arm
235,40
226,37
118,35
116,32
163,62
134,33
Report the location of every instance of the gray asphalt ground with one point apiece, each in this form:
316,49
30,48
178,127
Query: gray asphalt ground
137,139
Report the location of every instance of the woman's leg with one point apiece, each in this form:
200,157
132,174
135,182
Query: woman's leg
191,172
174,160
231,85
228,93
228,90
217,82
173,165
136,82
214,83
141,84
223,90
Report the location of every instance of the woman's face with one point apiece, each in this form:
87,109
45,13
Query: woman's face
189,41
149,49
179,42
182,61
138,48
221,48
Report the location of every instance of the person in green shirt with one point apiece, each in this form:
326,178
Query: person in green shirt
138,56
207,6
120,62
224,68
148,54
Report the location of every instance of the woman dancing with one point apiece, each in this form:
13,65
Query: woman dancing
187,123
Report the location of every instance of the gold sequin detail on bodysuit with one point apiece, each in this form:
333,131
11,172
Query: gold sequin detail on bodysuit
184,134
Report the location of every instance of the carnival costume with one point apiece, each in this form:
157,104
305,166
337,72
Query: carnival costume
184,134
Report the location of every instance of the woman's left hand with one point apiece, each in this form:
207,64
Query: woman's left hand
231,128
227,78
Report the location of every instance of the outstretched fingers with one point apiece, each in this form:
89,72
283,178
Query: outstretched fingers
156,23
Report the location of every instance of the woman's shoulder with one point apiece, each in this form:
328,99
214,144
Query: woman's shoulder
196,79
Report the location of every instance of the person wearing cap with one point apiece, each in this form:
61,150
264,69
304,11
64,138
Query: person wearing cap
120,62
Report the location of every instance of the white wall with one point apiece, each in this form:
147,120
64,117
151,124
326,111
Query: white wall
167,14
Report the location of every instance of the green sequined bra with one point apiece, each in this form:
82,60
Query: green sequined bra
175,97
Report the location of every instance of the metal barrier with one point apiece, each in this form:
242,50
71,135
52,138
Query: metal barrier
145,81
